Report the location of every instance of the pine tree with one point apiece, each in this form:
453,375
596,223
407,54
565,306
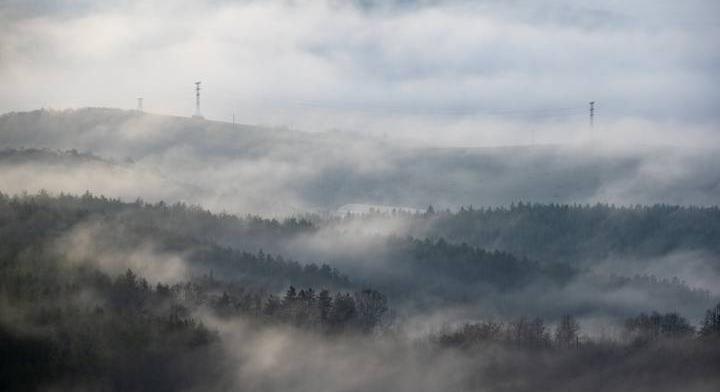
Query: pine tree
371,305
711,324
325,305
343,311
272,306
290,296
566,333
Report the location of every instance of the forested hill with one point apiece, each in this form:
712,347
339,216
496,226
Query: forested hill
42,232
176,242
576,233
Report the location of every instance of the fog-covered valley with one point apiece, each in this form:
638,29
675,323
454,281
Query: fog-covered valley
412,290
359,195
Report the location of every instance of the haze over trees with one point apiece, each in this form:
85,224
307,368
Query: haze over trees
359,196
217,165
104,294
113,292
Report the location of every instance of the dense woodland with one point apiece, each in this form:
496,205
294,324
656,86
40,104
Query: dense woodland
263,252
359,196
71,321
130,335
570,233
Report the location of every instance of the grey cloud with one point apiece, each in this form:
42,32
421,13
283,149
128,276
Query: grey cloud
279,62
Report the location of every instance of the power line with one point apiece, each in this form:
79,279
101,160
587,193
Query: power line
389,108
380,108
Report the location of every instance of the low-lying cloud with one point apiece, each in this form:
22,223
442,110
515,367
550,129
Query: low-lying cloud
237,169
107,249
450,72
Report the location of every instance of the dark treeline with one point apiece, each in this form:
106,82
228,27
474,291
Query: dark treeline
569,233
181,221
639,331
68,322
602,248
29,224
65,323
80,327
442,271
131,335
460,272
655,352
125,336
544,232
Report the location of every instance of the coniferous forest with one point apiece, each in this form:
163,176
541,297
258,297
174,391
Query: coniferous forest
359,196
101,294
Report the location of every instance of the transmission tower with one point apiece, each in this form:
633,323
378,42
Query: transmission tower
139,104
197,101
592,114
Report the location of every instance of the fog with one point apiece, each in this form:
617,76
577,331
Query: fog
276,360
487,73
278,172
111,251
402,195
416,347
228,168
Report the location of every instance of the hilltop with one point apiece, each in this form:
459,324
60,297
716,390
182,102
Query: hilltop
236,167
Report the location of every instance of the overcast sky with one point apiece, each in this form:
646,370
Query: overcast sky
362,66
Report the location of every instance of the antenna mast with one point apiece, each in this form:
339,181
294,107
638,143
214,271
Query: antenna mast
197,101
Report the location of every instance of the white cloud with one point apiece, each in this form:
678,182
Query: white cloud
320,65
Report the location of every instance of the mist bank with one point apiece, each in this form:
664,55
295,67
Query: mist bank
235,168
176,242
97,293
79,328
582,234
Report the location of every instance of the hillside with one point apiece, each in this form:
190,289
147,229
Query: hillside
175,242
234,168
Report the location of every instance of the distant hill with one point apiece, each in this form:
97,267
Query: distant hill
237,168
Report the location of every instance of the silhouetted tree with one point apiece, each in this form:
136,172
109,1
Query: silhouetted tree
272,306
290,296
647,328
343,311
530,333
711,323
371,305
566,333
325,305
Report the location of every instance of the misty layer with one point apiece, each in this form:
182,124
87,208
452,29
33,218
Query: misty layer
370,195
82,329
418,275
235,168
